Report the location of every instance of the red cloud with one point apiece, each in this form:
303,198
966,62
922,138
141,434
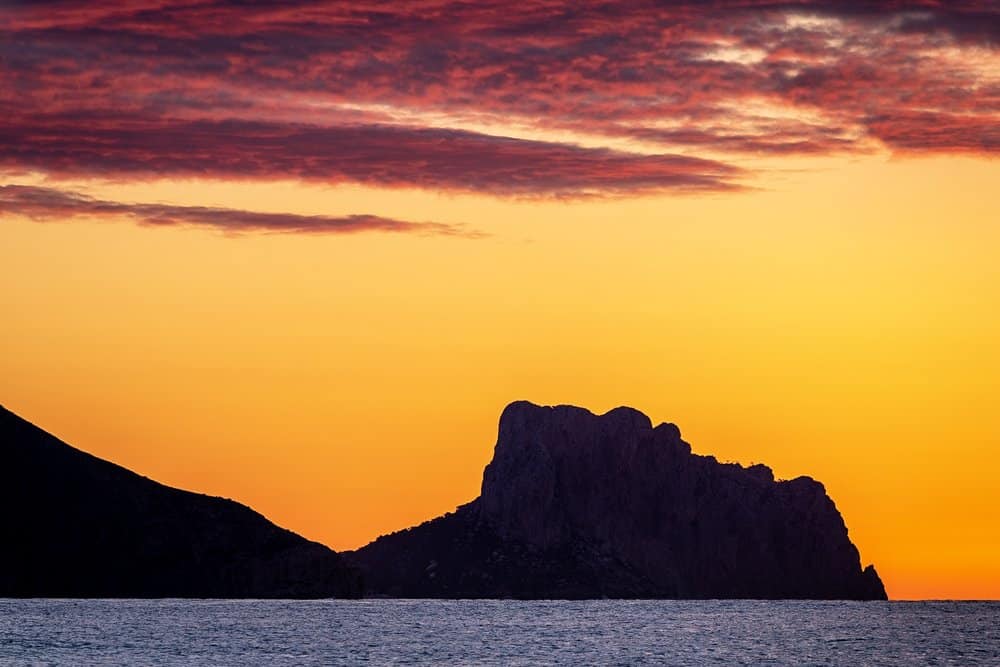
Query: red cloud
228,82
378,155
41,203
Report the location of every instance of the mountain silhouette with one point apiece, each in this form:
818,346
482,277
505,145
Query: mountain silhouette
79,526
576,505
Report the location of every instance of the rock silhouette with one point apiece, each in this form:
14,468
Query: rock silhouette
77,526
576,505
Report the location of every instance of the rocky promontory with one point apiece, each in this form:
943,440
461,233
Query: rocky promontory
576,505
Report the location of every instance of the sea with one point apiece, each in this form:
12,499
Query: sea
497,632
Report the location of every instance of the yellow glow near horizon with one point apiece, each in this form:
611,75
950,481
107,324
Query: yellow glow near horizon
841,323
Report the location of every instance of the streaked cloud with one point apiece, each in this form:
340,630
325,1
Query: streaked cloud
374,154
42,203
225,89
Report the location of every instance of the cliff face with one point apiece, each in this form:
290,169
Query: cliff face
78,526
579,505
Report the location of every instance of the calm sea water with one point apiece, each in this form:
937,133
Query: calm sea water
184,632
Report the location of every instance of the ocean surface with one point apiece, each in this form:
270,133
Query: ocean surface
225,632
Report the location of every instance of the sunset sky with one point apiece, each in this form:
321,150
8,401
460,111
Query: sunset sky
302,255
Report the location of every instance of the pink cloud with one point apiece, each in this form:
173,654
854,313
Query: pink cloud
39,203
227,83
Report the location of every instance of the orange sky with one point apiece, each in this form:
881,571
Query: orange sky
302,255
840,322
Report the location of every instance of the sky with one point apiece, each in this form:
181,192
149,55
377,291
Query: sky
302,255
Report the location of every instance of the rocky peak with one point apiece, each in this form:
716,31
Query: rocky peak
575,504
563,474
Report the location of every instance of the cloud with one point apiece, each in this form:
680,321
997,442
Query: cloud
388,93
379,155
40,203
929,132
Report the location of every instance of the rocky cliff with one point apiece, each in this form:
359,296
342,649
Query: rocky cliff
77,526
576,505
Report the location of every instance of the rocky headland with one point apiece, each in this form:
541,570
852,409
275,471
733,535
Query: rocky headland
78,526
576,505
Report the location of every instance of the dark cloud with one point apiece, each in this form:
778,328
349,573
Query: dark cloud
231,89
40,203
379,155
937,132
